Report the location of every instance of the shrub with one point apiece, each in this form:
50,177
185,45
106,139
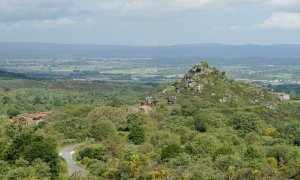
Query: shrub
12,113
269,131
212,119
72,128
171,151
202,145
103,129
224,162
245,122
206,174
96,169
91,152
297,137
182,159
224,150
200,125
115,115
252,153
134,119
137,135
5,99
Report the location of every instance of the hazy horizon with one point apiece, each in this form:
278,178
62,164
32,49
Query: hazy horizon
153,45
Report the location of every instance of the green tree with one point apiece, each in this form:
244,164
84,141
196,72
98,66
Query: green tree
103,129
202,145
245,122
170,151
200,125
32,147
137,135
223,150
115,115
92,152
37,100
134,119
12,113
5,99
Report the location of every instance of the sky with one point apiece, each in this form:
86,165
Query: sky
150,22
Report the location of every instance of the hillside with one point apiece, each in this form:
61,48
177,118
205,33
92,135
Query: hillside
205,87
204,126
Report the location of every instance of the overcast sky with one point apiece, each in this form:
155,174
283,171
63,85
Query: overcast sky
150,22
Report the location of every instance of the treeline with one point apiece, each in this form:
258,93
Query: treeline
11,75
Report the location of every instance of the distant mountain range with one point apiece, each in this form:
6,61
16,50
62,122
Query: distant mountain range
39,50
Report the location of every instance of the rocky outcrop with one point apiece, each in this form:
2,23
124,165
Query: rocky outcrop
172,100
195,79
152,101
201,69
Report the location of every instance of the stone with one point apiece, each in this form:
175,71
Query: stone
199,88
172,100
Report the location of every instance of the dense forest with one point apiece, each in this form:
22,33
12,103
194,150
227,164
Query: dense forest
202,127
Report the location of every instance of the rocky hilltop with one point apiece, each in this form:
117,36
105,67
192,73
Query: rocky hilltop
206,86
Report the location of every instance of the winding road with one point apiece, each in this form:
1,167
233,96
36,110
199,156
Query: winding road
73,167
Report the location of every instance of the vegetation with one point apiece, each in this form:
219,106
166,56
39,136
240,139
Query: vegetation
216,129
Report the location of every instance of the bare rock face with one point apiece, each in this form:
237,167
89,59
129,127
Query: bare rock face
152,101
172,100
199,88
179,88
194,77
201,69
224,100
195,80
192,84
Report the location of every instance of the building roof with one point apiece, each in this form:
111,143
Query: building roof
144,107
32,118
38,115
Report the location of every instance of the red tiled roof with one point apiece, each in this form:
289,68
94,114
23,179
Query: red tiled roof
144,107
38,115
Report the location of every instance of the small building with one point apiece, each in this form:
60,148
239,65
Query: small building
283,96
29,119
38,116
145,108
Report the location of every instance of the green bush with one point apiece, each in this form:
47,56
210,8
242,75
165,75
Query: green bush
202,146
32,147
252,153
182,159
134,119
170,151
245,122
91,152
137,135
103,129
206,174
222,151
200,125
5,100
12,113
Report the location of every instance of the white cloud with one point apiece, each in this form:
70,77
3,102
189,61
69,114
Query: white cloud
18,10
54,23
59,13
152,6
282,20
277,21
286,4
156,7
